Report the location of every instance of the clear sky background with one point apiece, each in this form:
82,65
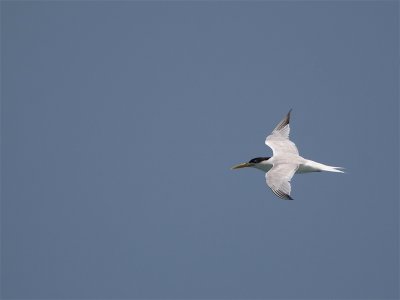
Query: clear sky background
120,122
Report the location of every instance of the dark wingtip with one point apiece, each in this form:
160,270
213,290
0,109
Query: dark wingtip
284,122
288,115
287,197
282,195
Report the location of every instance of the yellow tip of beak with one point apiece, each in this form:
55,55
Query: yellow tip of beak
243,165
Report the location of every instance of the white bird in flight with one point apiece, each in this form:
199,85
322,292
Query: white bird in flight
285,161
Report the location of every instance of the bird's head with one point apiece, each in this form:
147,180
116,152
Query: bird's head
254,163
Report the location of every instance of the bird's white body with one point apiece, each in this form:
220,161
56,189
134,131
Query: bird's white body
305,165
285,162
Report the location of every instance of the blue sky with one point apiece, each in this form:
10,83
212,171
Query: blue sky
120,122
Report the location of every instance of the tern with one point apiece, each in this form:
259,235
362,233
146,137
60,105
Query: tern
285,161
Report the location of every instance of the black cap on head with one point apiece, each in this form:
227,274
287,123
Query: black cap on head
258,160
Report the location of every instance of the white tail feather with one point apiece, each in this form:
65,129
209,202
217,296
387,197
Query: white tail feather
332,169
313,166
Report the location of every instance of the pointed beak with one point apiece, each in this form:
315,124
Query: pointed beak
243,165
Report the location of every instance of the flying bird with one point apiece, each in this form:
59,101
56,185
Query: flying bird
285,161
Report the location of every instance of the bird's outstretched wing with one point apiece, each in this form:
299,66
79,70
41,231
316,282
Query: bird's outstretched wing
279,141
278,179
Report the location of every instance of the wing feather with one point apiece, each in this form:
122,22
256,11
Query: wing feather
279,141
278,179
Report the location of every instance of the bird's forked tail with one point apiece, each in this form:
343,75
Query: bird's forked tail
313,166
332,169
